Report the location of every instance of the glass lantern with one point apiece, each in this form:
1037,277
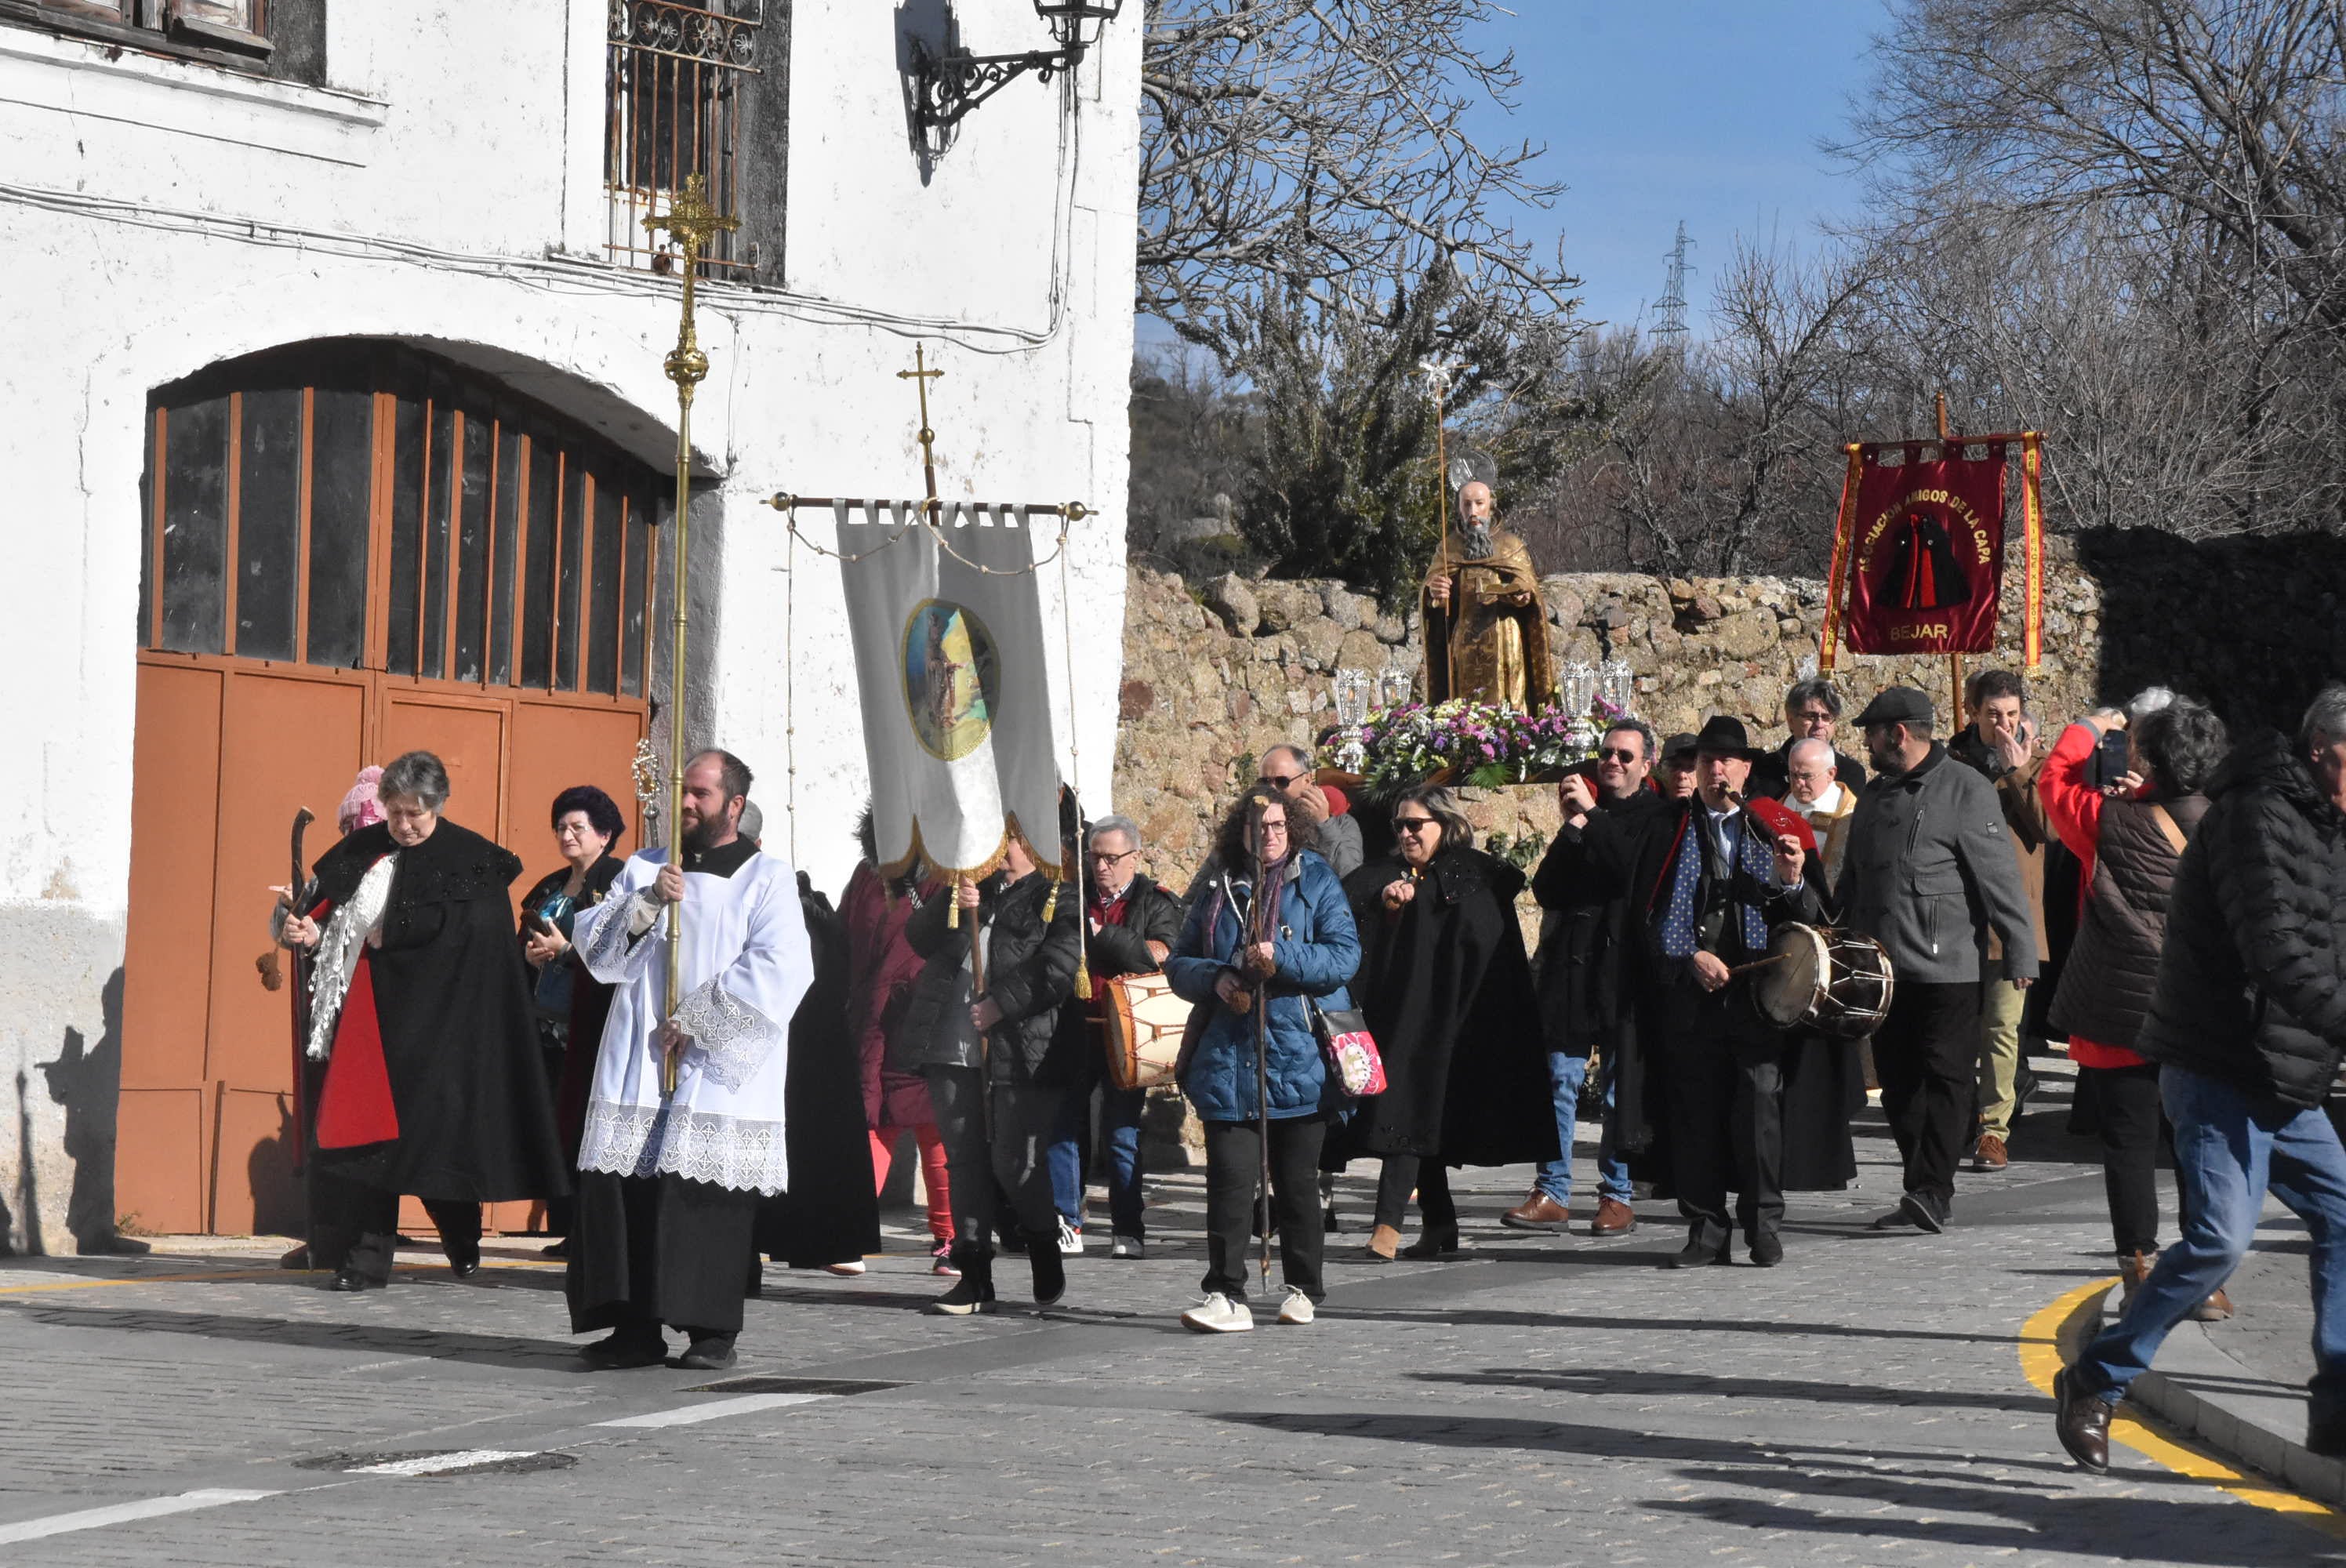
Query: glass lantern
1577,683
1617,685
1395,686
1352,693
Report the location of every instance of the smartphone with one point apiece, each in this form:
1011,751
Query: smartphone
2110,758
541,925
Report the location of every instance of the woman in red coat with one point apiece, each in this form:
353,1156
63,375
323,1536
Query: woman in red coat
880,969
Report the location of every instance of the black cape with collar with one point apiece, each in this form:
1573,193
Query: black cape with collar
1447,990
459,1035
832,1212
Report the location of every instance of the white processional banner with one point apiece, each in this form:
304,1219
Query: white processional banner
955,691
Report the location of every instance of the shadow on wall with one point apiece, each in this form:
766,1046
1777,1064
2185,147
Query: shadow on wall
2251,625
86,1081
279,1207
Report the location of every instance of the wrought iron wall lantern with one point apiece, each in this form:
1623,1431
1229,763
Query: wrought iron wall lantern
947,87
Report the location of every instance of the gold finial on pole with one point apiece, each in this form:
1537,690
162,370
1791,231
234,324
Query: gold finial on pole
692,223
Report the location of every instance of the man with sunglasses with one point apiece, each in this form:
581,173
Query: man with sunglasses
1287,773
1812,712
1582,997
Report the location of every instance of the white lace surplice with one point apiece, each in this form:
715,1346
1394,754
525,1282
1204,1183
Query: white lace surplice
336,959
745,966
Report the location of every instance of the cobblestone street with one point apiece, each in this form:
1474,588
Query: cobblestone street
1541,1400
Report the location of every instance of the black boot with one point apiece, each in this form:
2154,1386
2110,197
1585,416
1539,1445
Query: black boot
973,1291
1700,1249
1050,1273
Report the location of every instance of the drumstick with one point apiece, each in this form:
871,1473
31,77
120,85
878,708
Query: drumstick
1759,964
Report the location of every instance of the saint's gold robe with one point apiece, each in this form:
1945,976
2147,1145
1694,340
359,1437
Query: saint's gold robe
1486,644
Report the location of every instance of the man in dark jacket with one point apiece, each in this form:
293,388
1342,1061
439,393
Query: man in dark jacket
1709,879
1586,1000
982,1027
1812,712
1929,871
1130,923
2247,1025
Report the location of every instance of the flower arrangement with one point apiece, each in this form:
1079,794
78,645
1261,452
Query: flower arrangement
1463,742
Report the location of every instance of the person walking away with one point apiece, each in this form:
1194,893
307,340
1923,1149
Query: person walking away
1724,872
882,969
1587,1001
669,1177
1447,992
1929,874
2000,744
1130,926
1812,712
2247,1025
420,1011
981,1028
2129,837
571,1003
1256,992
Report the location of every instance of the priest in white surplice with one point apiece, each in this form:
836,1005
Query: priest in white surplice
669,1184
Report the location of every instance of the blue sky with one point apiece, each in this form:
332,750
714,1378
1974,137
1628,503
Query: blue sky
1701,109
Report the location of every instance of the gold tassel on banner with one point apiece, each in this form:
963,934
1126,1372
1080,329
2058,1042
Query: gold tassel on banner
1083,978
1051,904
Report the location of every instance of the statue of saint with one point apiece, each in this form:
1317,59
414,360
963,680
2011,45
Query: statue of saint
1485,624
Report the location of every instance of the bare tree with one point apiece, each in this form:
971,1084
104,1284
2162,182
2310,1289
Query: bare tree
1722,457
1313,149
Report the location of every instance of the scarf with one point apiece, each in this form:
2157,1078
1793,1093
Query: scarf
1679,919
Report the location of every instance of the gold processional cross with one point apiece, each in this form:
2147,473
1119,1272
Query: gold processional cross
692,223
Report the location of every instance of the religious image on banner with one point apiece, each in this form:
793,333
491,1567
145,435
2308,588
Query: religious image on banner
1921,551
947,624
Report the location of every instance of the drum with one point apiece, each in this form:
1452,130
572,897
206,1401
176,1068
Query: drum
1834,981
1143,1021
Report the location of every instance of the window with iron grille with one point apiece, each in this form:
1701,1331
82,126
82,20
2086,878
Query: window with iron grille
694,88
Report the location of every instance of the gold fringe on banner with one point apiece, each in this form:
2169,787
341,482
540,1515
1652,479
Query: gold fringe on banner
2032,525
1837,580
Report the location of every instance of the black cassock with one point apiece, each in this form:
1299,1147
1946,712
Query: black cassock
451,1002
1447,989
832,1212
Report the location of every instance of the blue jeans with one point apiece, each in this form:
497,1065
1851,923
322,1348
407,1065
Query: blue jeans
1565,1074
1120,1131
2229,1150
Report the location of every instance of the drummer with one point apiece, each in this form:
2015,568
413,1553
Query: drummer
1719,874
1130,924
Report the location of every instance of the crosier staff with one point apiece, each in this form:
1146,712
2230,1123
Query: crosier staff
692,223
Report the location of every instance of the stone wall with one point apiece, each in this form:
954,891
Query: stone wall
1219,669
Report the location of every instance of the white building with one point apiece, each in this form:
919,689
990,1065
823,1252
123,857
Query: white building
336,424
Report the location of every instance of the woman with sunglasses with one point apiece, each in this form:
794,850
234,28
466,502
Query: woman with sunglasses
1447,990
1270,934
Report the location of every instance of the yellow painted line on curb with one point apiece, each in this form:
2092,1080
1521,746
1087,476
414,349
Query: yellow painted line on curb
2059,1326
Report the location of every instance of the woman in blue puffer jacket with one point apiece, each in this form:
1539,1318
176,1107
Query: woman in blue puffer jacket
1312,954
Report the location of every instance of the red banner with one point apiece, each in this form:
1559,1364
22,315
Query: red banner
1923,549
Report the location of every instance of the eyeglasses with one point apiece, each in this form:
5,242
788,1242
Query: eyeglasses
1412,825
1619,754
1104,858
1814,716
1270,782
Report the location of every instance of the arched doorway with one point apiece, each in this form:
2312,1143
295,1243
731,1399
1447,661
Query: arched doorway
350,550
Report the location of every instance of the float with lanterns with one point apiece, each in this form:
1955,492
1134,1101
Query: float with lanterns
1381,750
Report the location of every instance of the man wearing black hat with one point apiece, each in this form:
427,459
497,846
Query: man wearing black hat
1675,778
1711,881
1928,871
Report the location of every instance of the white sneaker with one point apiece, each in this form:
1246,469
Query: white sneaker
1127,1247
851,1267
1218,1314
1071,1239
1296,1308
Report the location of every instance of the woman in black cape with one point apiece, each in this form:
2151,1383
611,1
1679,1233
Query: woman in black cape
1447,990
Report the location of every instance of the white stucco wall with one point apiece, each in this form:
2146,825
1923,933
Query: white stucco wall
157,216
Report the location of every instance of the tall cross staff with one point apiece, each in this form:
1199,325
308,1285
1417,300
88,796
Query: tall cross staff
692,223
920,375
1437,373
